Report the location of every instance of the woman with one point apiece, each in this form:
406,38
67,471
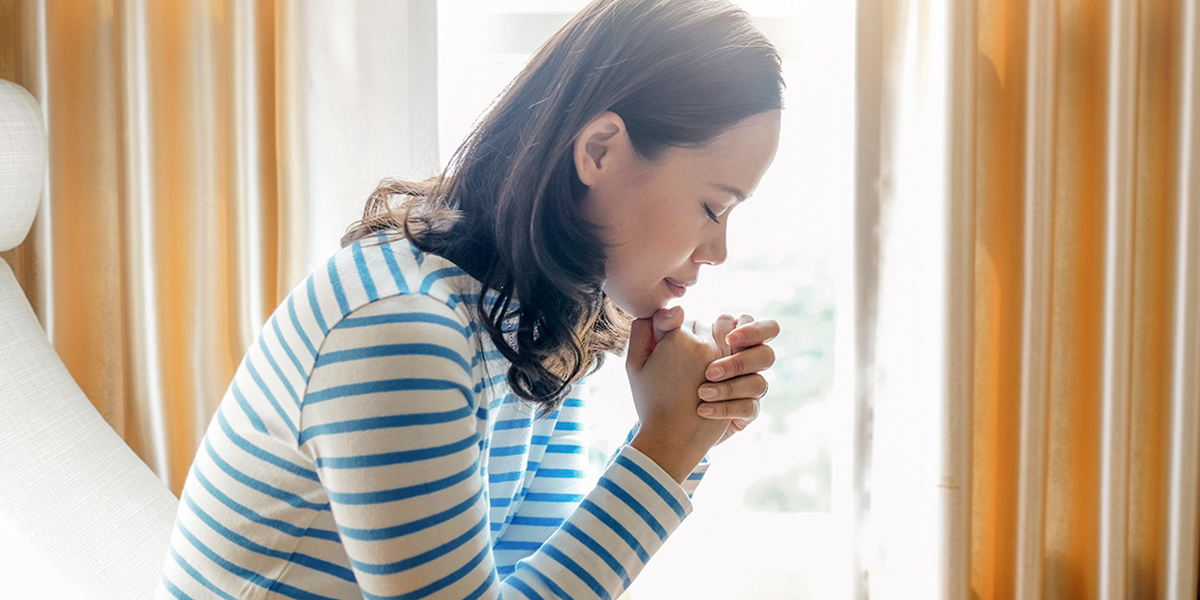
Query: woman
405,426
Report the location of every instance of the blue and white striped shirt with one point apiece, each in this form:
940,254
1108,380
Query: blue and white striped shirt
369,447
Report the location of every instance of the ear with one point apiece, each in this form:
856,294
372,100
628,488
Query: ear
601,147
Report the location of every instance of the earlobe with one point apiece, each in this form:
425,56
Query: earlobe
594,146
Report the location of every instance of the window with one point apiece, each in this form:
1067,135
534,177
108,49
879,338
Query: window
771,520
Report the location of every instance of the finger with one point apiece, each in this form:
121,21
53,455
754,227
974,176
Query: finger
666,320
750,360
721,329
752,333
641,344
740,424
746,386
745,409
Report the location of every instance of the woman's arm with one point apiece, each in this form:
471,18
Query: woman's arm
392,421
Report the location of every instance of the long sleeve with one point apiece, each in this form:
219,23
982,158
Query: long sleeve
392,420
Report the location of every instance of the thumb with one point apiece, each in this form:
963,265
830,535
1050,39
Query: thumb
641,344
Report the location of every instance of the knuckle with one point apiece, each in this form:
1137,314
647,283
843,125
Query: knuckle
736,364
724,390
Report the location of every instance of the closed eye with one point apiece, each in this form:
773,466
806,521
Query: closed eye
711,214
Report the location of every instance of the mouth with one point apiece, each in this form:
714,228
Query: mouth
678,288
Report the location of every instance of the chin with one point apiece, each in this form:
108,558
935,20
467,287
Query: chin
643,309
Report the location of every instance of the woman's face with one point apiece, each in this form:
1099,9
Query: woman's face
663,220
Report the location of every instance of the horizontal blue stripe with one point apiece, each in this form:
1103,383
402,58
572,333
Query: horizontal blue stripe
548,497
405,492
404,529
508,450
549,583
407,384
387,422
413,317
276,524
561,473
564,449
438,585
305,560
261,454
599,550
423,558
537,521
395,458
248,575
617,528
524,588
503,477
257,485
576,570
637,507
178,593
483,587
201,579
653,483
512,424
517,545
415,349
438,275
567,426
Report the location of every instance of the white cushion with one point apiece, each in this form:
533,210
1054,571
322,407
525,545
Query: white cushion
68,482
22,162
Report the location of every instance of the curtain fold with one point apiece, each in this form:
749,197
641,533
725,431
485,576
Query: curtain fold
187,138
1080,421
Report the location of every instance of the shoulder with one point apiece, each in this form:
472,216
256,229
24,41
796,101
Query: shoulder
376,275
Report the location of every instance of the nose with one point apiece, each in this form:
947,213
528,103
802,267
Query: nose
712,251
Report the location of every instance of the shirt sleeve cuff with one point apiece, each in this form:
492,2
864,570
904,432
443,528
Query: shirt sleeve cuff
693,480
636,471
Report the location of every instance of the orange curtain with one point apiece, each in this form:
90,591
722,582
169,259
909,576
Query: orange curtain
1034,383
205,156
1109,82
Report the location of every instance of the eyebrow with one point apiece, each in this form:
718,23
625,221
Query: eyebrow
729,189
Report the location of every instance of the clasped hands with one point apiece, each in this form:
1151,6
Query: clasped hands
684,410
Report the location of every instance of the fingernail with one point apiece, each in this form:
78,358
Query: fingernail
706,410
733,340
715,373
708,391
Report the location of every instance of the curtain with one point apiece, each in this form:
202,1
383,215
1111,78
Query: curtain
1029,299
205,155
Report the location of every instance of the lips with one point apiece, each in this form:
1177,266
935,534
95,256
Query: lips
678,288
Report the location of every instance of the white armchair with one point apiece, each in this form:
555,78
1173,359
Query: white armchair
71,491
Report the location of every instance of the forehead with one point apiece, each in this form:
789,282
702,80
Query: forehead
735,159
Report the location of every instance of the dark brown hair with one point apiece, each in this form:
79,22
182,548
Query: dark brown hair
507,208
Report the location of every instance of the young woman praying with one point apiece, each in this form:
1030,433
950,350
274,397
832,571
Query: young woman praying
407,424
